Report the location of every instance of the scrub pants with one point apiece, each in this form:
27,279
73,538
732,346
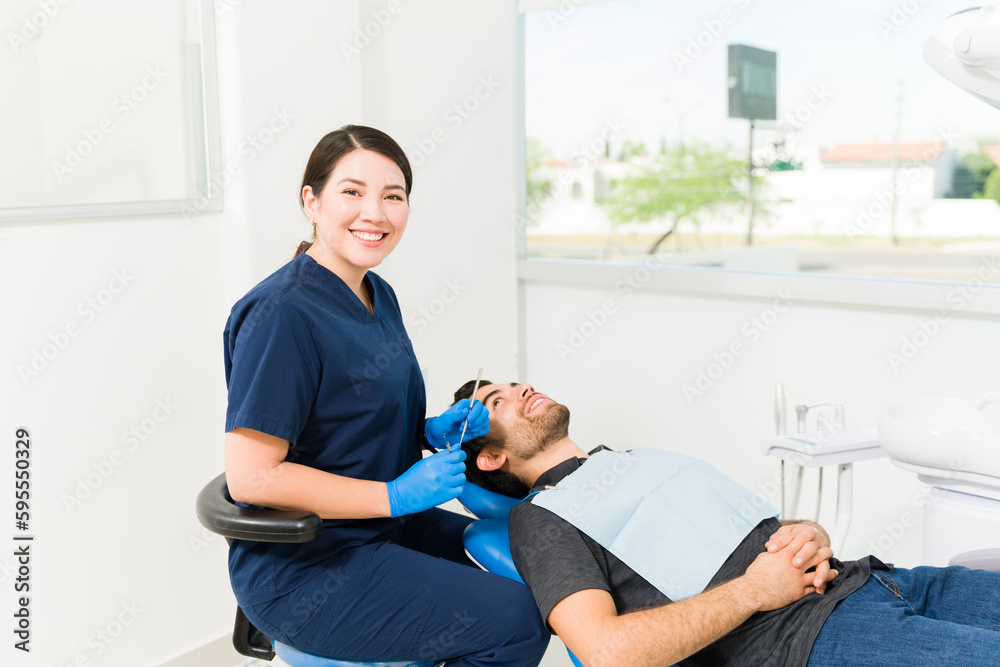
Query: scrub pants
416,598
910,618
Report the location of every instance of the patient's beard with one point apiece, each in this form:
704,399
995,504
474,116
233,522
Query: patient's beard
530,437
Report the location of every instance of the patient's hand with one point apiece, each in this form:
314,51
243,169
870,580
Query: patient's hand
784,536
780,577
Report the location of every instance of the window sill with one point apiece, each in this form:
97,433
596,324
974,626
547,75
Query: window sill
972,296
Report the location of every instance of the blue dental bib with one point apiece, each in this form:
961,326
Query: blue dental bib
672,518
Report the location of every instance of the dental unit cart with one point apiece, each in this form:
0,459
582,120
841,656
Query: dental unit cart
831,443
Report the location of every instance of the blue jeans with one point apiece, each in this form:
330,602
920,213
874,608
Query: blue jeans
911,618
416,598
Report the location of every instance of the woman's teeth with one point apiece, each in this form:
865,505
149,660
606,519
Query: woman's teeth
365,236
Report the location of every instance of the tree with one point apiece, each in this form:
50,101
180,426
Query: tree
538,189
991,190
678,185
971,174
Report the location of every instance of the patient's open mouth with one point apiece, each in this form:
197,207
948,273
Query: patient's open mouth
534,403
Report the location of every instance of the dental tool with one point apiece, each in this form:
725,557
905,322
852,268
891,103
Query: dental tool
472,400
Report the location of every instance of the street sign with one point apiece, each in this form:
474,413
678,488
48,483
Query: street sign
753,88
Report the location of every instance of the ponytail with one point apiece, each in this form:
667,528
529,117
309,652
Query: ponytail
305,245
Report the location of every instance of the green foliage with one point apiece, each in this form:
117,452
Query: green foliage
632,149
536,154
784,165
991,190
679,185
971,174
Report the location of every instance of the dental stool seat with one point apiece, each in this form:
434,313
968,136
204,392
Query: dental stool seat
297,658
220,514
981,559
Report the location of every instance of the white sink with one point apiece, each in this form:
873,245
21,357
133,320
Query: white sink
945,437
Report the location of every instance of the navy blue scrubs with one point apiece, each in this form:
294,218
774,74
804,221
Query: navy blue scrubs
307,362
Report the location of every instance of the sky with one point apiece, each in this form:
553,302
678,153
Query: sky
660,68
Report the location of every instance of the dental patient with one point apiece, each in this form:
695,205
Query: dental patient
644,557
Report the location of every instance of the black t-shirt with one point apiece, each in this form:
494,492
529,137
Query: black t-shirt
556,560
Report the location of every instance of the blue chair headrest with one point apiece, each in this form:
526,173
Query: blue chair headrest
486,504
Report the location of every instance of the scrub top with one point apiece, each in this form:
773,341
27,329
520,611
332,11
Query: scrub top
306,362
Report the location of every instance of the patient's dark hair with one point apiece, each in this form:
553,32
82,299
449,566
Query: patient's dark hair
500,481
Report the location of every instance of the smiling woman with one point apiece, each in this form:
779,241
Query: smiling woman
326,414
356,192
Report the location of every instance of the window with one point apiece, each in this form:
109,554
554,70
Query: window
874,166
139,134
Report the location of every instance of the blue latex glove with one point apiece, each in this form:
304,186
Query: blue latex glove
447,427
432,480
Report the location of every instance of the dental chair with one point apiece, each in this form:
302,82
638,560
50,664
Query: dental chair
220,514
487,542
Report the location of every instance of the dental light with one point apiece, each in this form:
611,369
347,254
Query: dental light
965,49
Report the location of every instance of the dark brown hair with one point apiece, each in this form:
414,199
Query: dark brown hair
335,145
500,481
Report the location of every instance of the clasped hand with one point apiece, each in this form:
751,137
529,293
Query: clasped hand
784,536
782,572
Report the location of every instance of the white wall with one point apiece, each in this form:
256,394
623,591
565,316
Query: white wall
135,540
624,382
130,560
454,271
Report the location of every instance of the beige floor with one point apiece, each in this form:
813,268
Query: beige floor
220,653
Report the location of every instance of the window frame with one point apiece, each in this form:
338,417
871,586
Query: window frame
206,196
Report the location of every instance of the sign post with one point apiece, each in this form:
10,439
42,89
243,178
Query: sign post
752,95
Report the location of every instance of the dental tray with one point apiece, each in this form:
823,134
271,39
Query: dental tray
860,441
